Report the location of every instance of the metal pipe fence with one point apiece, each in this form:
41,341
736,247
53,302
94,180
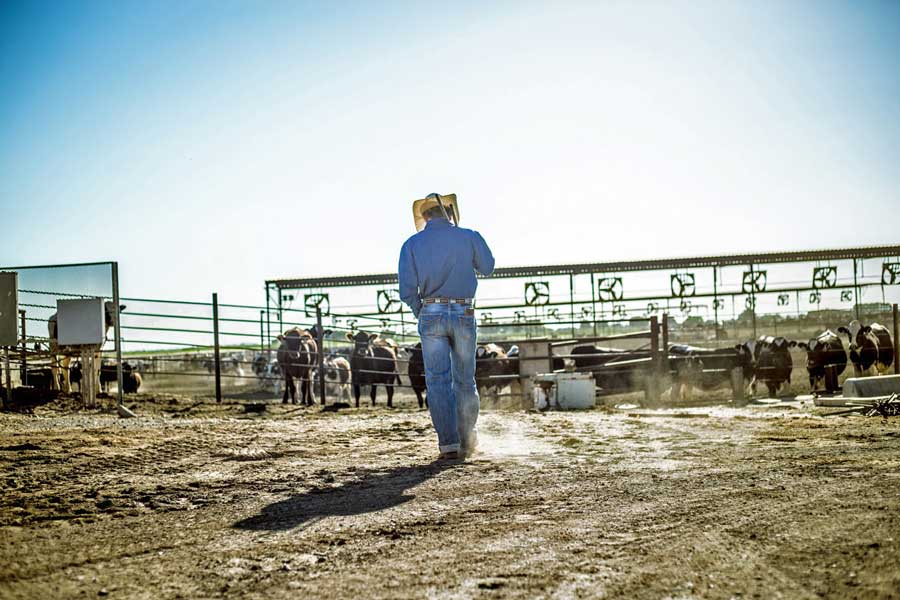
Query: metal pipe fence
228,348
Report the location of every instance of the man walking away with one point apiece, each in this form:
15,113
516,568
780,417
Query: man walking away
437,281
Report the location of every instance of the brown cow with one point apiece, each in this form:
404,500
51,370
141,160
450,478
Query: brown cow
296,357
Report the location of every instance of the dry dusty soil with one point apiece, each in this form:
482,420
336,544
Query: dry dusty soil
194,500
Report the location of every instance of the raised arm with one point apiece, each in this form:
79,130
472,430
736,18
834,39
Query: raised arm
409,280
484,260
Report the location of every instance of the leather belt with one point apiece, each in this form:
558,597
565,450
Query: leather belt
447,301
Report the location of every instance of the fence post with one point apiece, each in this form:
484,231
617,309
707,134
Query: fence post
8,374
665,344
24,349
262,337
652,387
896,342
320,355
715,300
117,333
752,305
215,303
268,326
571,307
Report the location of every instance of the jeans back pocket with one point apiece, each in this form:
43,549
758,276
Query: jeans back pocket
429,324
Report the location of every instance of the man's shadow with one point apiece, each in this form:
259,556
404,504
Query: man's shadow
372,492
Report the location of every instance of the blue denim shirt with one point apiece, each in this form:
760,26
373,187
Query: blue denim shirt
440,262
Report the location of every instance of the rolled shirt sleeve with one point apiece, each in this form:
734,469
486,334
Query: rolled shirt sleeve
408,278
484,259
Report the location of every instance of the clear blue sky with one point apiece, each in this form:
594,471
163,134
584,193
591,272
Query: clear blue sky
208,146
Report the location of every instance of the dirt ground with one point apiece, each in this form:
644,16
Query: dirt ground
197,500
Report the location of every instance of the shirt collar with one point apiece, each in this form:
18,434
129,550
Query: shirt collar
438,222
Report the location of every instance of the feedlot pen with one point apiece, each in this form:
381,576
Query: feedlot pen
638,307
196,498
227,350
201,501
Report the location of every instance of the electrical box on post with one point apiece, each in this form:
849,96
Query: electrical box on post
9,308
80,322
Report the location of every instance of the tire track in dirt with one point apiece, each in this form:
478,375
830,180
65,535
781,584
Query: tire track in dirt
556,506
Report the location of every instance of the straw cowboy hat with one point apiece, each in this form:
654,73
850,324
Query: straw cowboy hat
430,201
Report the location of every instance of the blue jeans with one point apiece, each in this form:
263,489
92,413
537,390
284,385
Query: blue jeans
448,347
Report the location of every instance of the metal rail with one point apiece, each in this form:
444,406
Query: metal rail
723,260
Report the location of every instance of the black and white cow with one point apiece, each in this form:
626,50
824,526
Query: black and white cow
773,363
268,372
707,368
491,368
601,362
372,364
823,352
496,368
871,347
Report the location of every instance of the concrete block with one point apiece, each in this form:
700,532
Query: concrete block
868,387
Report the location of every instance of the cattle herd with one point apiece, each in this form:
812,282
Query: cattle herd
767,360
375,361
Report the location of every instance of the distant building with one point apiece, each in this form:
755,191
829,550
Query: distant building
871,310
830,314
874,308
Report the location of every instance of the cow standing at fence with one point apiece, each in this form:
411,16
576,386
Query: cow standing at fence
416,373
75,375
131,379
871,348
773,363
296,357
373,365
493,369
108,374
337,372
388,343
825,351
260,364
706,368
601,362
267,372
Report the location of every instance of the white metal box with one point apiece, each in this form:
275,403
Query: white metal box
80,322
9,308
566,391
